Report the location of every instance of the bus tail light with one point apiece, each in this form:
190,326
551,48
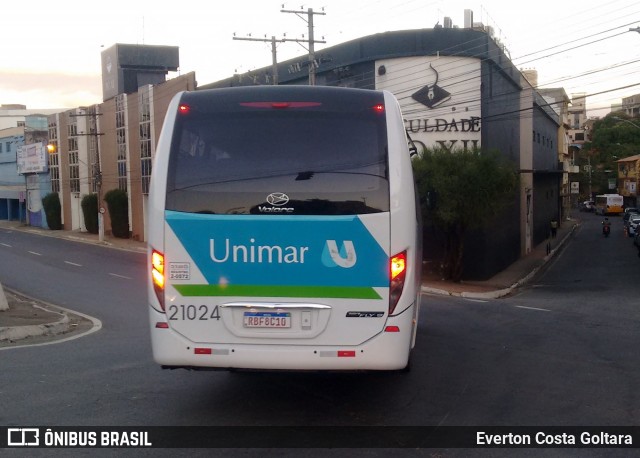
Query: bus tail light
157,275
398,271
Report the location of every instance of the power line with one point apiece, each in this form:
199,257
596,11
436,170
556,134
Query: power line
311,41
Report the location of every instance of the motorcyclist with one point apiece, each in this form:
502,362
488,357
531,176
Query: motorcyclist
606,225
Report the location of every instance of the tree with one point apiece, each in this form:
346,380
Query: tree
611,138
53,210
470,189
89,206
118,205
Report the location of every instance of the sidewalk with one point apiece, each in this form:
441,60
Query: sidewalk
76,236
34,320
503,283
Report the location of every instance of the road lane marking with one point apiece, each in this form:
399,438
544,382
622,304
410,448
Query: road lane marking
35,253
73,263
120,276
6,244
532,308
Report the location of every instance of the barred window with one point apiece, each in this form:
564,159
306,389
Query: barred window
72,147
54,158
145,138
121,141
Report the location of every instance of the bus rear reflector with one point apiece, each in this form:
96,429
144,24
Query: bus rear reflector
346,354
157,275
162,325
397,273
392,329
202,351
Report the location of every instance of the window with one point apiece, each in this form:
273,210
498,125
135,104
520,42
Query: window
144,95
74,163
54,158
326,162
121,141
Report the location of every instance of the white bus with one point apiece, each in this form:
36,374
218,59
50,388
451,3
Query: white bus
284,231
609,204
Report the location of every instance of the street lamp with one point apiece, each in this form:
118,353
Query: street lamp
627,121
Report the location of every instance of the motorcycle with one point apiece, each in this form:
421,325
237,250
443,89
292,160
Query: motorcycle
606,229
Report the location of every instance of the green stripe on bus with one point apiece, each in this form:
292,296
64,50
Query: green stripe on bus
344,292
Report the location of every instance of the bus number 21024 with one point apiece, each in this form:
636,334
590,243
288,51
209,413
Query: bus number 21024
193,312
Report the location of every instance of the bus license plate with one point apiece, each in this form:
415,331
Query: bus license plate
267,319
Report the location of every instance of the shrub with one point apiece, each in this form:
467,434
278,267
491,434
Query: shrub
90,211
472,188
53,210
118,205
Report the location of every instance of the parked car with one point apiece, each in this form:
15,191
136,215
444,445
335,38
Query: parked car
628,212
634,221
626,219
588,206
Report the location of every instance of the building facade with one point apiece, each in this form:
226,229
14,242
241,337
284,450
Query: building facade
23,162
631,105
110,146
558,100
12,186
629,179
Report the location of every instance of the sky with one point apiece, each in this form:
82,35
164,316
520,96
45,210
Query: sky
50,51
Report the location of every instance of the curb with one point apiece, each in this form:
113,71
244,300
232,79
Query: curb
13,333
470,295
60,326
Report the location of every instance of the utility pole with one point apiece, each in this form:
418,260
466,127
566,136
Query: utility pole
312,58
96,169
274,59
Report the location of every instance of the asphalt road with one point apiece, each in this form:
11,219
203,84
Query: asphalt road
561,351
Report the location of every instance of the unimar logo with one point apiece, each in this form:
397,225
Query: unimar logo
255,252
344,257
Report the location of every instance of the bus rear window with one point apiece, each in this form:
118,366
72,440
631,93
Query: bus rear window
280,159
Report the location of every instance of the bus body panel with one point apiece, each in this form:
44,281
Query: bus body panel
221,268
304,291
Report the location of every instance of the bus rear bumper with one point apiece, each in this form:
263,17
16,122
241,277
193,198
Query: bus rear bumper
388,350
